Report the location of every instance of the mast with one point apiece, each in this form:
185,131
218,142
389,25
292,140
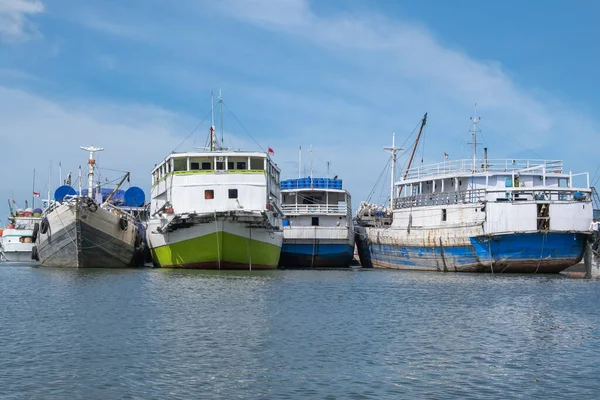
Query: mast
33,190
311,165
212,124
300,162
412,155
92,163
393,150
221,115
474,131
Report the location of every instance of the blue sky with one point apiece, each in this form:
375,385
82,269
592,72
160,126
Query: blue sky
135,78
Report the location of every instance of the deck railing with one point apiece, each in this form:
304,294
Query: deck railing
495,195
290,209
490,165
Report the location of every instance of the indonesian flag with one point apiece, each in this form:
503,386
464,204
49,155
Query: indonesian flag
271,151
36,194
446,155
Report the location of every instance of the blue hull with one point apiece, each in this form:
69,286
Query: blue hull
536,252
318,255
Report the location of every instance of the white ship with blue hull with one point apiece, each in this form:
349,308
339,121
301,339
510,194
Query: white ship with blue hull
482,215
318,230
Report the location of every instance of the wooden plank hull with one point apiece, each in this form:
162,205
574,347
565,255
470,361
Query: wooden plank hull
80,238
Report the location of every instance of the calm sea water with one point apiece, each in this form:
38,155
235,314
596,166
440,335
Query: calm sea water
158,334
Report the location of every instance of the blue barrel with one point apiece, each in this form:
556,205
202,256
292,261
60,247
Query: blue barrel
286,222
284,185
294,184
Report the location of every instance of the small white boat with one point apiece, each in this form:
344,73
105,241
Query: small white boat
16,239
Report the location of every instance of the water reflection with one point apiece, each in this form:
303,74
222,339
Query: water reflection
157,333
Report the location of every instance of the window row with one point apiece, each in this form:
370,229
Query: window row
209,194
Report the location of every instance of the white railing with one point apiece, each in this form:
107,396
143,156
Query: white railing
495,195
495,165
290,209
434,199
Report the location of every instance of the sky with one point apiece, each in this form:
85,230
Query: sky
136,77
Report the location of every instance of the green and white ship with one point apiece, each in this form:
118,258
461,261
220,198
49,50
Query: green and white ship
215,209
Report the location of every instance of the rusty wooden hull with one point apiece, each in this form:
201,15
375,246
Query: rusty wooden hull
534,252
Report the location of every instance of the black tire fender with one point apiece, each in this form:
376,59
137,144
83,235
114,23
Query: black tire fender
93,207
123,223
36,229
34,254
44,225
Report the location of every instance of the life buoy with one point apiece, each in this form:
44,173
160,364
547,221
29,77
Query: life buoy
123,223
36,228
44,225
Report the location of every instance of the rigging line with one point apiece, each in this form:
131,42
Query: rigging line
108,169
595,176
514,141
383,187
243,127
385,168
193,130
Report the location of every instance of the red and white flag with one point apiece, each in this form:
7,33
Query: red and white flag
36,194
271,151
446,156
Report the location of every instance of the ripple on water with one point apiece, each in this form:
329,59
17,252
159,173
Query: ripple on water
289,334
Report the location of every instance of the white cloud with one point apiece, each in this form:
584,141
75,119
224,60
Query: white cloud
37,131
15,24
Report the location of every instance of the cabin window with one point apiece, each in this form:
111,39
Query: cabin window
230,165
233,193
206,166
241,165
209,194
194,166
257,164
180,164
315,221
444,214
220,165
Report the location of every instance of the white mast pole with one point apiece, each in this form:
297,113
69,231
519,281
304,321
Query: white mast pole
311,166
393,171
393,150
300,162
475,121
91,163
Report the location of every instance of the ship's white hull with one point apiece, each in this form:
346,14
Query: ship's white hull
80,238
17,256
13,248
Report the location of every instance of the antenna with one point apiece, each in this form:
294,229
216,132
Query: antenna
393,150
328,164
92,163
300,162
212,119
474,131
311,165
221,115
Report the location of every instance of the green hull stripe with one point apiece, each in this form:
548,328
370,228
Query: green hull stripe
204,249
